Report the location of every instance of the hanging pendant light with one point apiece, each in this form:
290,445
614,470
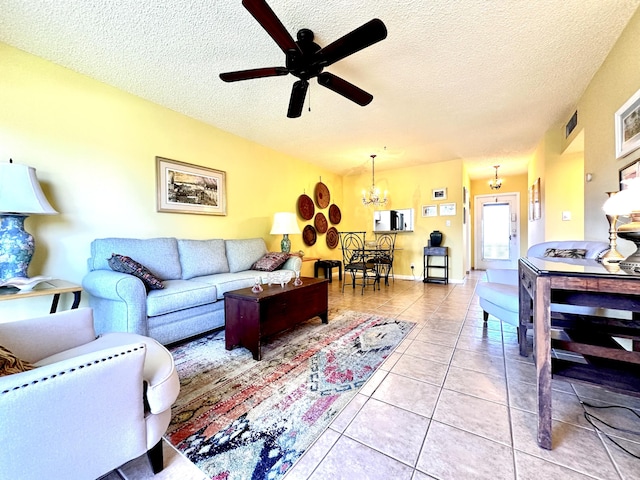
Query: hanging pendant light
372,197
496,183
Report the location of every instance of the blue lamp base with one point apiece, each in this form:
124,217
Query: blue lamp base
16,247
285,244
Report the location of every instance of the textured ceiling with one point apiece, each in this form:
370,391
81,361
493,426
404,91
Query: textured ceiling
480,80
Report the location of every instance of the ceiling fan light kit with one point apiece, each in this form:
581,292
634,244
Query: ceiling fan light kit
305,59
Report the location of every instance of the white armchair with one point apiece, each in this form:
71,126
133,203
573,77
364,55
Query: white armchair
92,404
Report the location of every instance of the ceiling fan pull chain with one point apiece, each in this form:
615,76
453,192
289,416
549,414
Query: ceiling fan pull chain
310,99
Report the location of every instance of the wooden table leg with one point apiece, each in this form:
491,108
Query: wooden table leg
542,349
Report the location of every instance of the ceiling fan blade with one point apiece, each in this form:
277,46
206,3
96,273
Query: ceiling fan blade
344,88
271,23
296,102
371,32
253,73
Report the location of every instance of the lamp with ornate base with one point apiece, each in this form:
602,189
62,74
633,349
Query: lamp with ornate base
285,223
20,196
626,203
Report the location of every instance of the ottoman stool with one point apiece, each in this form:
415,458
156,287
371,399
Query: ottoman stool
327,266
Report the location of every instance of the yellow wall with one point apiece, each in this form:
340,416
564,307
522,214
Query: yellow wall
412,188
615,82
94,150
564,181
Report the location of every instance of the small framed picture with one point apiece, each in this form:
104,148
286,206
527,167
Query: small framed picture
439,194
627,126
429,211
629,172
447,209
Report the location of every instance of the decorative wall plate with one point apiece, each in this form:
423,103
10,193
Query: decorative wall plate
306,209
322,195
321,223
332,237
334,214
309,235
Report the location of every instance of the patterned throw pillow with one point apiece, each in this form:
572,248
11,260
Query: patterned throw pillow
270,261
10,364
565,252
124,264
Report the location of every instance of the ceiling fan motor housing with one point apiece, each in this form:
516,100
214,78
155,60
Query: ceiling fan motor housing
302,62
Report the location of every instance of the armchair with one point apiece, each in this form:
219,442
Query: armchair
92,404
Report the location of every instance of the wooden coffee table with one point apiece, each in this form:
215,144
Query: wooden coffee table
250,317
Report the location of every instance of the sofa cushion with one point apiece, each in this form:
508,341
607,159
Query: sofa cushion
159,255
180,295
506,296
243,253
124,264
226,282
202,257
270,261
10,364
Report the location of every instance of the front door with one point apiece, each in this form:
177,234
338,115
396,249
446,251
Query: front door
497,229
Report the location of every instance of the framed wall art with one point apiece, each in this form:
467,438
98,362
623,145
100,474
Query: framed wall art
627,123
186,188
429,211
439,194
629,172
447,209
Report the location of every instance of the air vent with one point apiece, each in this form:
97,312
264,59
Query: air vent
571,125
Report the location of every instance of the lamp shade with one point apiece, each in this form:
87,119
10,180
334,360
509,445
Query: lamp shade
284,223
20,192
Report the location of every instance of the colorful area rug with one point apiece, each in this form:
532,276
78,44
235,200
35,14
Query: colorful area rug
236,418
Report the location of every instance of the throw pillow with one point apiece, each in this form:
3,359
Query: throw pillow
10,364
270,261
566,252
124,264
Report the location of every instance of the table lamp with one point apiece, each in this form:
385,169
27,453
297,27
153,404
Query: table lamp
20,196
626,203
285,223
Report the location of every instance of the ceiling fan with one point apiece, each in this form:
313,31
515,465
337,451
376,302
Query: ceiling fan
306,59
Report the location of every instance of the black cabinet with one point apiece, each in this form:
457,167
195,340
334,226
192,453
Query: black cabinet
441,254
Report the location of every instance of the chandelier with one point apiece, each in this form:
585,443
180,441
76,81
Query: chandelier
373,197
496,183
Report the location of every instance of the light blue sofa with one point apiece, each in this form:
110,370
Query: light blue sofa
499,294
195,275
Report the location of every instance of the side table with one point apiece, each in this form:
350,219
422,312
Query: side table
49,287
430,252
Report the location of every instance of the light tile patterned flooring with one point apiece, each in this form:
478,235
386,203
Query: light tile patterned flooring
454,401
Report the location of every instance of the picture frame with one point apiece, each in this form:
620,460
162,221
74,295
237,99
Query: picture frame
186,188
627,126
447,209
628,172
429,211
439,194
536,202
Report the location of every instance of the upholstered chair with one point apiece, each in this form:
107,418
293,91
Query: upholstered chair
90,405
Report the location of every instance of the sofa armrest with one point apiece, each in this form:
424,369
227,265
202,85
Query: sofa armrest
79,405
33,339
114,286
294,263
503,275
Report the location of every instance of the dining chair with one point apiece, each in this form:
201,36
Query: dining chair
383,257
354,259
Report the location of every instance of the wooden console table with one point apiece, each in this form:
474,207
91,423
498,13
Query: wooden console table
250,317
598,358
49,287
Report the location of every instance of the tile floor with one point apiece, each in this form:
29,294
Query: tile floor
454,401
